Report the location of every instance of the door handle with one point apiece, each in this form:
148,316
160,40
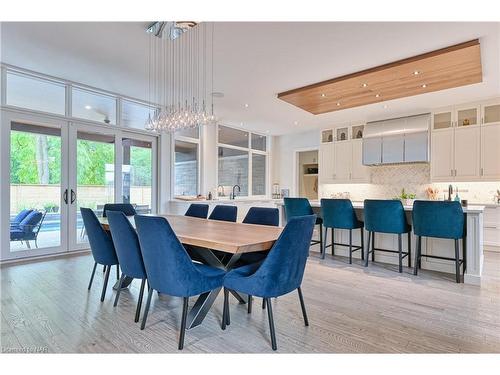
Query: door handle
73,196
65,196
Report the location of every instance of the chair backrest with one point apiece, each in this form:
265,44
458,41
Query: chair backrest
127,245
385,216
262,216
21,215
438,219
283,268
30,222
100,241
197,210
224,213
297,207
338,213
169,268
126,208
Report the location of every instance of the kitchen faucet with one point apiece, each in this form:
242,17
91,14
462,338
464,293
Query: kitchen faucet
233,194
450,192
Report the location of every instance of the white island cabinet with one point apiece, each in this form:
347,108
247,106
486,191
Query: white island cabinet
430,246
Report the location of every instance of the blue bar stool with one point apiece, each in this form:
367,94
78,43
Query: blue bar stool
439,220
197,210
386,216
301,207
339,214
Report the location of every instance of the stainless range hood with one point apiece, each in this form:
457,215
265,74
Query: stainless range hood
395,141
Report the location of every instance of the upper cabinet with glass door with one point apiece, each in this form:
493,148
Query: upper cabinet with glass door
467,115
442,119
327,136
491,112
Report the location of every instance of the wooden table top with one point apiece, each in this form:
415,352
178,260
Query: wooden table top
218,235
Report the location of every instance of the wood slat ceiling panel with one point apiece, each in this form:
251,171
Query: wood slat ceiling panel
453,66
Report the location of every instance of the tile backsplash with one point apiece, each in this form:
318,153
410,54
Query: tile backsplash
387,181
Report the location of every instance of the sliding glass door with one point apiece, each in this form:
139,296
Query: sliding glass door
37,173
55,168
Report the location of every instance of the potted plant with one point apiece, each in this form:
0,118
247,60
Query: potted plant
406,198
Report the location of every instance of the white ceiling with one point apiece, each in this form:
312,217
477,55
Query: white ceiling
254,61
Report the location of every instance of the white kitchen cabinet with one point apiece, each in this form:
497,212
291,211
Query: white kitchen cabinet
326,164
342,161
359,172
466,152
491,221
490,152
442,155
465,143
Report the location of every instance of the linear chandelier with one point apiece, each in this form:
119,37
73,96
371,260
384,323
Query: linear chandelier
180,75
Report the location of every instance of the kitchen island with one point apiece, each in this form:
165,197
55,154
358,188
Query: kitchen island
430,246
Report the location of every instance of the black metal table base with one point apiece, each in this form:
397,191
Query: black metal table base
206,300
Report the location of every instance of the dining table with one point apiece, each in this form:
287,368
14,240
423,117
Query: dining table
220,244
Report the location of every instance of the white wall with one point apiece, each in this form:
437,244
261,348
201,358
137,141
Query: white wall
283,161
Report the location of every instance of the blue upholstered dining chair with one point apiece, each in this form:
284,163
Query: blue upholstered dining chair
129,254
259,216
126,208
224,213
101,246
302,207
197,210
386,216
439,220
170,269
280,273
339,214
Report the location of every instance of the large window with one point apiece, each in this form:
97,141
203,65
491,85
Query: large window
135,115
35,93
186,163
93,106
242,161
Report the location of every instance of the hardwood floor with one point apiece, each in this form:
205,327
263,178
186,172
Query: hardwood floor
45,306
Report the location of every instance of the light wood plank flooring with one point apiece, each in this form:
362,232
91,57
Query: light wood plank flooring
352,309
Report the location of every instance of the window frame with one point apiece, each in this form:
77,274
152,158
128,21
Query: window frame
250,152
196,141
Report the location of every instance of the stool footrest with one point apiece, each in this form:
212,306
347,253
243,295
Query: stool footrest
438,257
354,247
405,253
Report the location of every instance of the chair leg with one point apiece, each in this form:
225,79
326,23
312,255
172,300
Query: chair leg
373,246
105,284
367,255
119,290
183,322
139,301
320,237
271,323
146,309
362,243
333,241
104,269
417,255
249,303
323,245
464,254
28,244
36,244
263,303
117,272
225,308
92,276
303,307
409,249
400,249
457,262
350,246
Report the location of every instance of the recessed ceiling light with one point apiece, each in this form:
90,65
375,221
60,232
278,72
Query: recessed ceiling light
424,86
377,96
88,107
323,95
338,104
246,105
364,84
416,73
385,106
